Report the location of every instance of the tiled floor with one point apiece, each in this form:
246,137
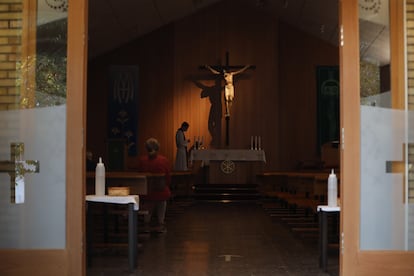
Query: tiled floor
218,239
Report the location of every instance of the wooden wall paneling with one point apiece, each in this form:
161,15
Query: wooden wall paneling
97,108
299,55
282,112
193,40
245,46
155,61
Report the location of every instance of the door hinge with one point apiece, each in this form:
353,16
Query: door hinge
341,37
342,138
342,243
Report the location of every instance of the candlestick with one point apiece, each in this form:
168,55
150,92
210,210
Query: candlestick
255,142
260,142
251,142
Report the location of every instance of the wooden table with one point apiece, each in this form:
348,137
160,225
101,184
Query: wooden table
133,206
324,210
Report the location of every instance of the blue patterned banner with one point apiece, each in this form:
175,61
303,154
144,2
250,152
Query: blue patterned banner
328,104
122,106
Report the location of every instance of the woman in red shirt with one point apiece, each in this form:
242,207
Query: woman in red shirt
155,201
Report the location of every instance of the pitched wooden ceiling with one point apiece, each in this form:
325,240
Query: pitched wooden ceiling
115,22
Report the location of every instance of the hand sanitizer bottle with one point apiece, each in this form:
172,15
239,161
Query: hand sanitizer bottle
332,190
100,178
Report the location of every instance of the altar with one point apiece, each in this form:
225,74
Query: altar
228,166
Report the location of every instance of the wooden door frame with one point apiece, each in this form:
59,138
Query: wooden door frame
76,136
350,133
353,261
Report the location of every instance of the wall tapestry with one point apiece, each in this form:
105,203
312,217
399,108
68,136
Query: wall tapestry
328,104
122,112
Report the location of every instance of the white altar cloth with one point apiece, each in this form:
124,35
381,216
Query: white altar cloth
228,154
116,199
326,208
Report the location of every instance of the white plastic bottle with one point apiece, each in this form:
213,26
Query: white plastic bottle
332,189
100,178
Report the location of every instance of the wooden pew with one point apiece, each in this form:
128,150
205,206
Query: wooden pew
305,189
182,184
298,194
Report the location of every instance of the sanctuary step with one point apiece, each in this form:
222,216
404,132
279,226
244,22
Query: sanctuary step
226,192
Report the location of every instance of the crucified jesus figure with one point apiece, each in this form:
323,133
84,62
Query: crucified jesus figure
228,87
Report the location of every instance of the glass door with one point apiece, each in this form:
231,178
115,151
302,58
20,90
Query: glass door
377,212
32,147
41,138
383,137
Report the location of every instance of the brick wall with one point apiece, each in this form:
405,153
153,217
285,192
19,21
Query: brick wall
10,49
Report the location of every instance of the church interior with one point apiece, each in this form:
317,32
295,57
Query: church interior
277,147
275,100
279,109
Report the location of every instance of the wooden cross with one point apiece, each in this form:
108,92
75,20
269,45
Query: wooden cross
17,168
227,66
227,71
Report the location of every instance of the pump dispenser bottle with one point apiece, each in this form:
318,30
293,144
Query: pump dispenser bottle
332,189
100,178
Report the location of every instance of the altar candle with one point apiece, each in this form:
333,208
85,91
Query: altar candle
251,142
202,140
255,142
260,142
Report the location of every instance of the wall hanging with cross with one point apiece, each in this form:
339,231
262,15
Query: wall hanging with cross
17,168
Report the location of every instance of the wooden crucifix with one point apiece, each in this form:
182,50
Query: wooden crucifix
228,71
